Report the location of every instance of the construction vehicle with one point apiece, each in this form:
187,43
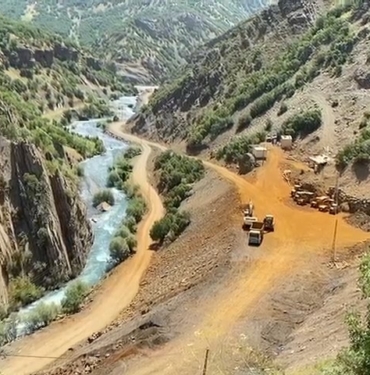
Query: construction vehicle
303,197
255,235
316,202
295,190
248,212
269,223
334,209
248,222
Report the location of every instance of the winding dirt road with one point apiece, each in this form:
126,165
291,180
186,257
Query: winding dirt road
115,294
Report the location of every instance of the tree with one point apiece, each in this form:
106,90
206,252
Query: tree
23,292
41,316
160,229
74,296
119,249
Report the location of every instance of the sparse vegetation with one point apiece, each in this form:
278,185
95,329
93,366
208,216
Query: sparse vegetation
354,360
124,243
120,172
252,84
357,152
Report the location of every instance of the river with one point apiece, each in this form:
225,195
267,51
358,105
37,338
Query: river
104,224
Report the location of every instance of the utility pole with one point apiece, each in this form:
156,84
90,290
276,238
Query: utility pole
336,222
205,362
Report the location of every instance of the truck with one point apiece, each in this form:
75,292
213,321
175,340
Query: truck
255,235
248,222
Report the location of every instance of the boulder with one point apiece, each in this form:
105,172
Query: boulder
45,57
103,207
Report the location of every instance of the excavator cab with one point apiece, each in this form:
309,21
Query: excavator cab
269,223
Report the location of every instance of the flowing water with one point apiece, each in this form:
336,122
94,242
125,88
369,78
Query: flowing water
104,224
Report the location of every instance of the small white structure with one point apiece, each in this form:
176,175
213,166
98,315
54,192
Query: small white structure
286,142
259,152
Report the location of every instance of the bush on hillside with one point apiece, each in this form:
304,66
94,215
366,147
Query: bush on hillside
268,125
302,124
171,226
8,329
74,297
119,249
283,108
23,292
132,151
176,169
125,233
41,316
244,121
103,196
136,208
354,360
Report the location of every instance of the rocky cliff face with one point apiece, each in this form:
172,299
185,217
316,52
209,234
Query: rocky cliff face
43,226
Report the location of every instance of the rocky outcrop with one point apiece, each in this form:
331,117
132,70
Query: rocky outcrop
42,215
26,57
45,57
65,53
352,203
362,77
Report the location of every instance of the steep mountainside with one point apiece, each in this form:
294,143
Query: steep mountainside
44,233
296,69
149,38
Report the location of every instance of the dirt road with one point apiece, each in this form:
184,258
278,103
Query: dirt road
115,294
300,233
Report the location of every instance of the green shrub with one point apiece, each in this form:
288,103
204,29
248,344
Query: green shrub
136,208
132,151
80,171
103,196
119,249
130,223
41,316
177,195
268,125
8,329
125,233
23,292
244,121
176,169
171,226
354,360
283,108
302,124
160,229
74,297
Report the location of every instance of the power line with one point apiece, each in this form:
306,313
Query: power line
27,356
